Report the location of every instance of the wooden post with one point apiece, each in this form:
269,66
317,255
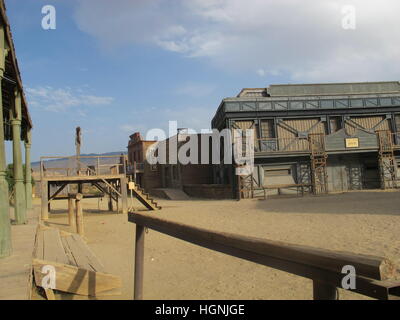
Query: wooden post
44,194
16,119
324,291
5,225
48,198
79,214
28,171
110,204
71,215
139,263
124,193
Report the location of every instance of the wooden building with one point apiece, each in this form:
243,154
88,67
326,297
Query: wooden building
175,174
15,126
331,137
145,175
195,179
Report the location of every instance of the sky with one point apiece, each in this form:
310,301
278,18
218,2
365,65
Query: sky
117,67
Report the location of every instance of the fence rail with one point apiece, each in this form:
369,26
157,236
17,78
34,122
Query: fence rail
282,145
299,144
78,168
373,274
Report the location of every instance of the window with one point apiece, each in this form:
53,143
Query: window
273,172
335,123
267,129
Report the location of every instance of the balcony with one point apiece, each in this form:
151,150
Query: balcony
137,167
332,143
282,145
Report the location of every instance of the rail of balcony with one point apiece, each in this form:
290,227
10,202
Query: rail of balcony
83,166
271,145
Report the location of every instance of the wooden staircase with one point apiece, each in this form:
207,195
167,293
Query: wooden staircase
145,198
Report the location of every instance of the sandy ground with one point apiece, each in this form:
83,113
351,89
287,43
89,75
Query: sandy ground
359,222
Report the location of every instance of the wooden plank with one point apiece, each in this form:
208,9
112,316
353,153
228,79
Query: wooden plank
368,266
82,255
75,280
324,291
38,251
53,248
139,263
68,252
49,294
222,242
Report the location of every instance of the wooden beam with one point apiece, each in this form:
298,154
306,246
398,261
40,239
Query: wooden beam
71,214
308,262
45,200
77,280
79,214
58,191
324,291
139,263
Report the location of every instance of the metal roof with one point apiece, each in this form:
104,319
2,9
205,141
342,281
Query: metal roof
319,89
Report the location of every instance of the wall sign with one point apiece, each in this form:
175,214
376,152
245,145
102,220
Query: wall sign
352,143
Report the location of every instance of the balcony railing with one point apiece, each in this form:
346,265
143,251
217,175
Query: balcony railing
282,145
83,166
137,167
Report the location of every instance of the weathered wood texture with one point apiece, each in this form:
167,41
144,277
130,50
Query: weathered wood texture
77,269
313,263
139,263
16,270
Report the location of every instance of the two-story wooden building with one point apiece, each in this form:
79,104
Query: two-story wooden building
334,137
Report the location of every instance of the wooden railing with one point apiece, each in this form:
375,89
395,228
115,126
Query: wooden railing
79,168
282,145
373,276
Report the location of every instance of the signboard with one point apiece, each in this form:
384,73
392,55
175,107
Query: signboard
352,143
131,186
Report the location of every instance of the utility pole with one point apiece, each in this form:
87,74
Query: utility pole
78,141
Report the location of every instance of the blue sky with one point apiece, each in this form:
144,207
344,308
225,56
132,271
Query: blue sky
115,67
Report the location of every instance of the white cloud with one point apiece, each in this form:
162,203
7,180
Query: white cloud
62,99
195,90
143,119
302,39
261,72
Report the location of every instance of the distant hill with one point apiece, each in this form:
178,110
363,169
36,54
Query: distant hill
68,163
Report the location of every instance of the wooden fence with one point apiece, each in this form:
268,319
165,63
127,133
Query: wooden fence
374,275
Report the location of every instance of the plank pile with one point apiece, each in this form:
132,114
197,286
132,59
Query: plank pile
75,267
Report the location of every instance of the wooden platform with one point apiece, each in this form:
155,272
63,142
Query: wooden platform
83,178
16,270
77,269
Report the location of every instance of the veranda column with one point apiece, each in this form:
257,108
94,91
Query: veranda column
28,172
5,225
19,188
